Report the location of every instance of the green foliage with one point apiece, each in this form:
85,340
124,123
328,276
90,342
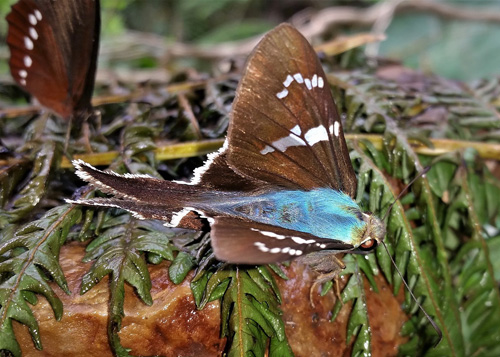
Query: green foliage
118,252
250,312
436,238
33,190
31,257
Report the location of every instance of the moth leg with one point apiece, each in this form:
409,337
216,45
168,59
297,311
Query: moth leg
329,267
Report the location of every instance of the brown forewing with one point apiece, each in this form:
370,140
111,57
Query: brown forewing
260,118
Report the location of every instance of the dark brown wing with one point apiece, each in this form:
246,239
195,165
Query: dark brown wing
237,241
54,46
285,129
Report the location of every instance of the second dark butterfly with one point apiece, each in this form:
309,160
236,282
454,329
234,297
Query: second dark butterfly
54,47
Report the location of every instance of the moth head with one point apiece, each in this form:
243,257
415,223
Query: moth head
374,234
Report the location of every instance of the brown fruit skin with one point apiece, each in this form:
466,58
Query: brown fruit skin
310,331
173,326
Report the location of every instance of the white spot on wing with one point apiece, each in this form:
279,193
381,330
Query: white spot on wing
314,81
307,81
269,234
284,143
286,250
299,240
38,14
27,61
266,150
262,247
336,128
321,82
316,135
22,81
296,130
32,19
33,33
22,73
288,81
282,94
28,43
298,77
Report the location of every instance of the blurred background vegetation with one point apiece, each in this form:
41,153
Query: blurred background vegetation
459,42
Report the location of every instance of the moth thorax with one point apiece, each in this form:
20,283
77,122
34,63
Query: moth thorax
374,234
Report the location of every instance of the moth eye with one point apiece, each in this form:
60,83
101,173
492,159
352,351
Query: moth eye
369,244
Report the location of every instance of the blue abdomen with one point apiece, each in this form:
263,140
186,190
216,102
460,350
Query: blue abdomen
323,212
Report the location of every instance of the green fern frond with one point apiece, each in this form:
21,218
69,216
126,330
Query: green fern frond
421,250
476,285
250,312
34,189
119,252
37,246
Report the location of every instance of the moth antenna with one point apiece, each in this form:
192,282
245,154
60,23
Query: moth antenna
422,173
432,322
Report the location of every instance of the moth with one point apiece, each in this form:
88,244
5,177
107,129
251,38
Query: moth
281,187
53,52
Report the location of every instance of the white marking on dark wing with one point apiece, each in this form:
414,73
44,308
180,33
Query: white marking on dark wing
85,176
104,203
312,137
28,43
33,33
299,240
178,216
22,73
27,61
298,77
315,135
288,81
275,250
199,171
307,81
282,94
321,83
32,19
336,128
269,234
296,130
262,247
38,14
314,81
283,143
